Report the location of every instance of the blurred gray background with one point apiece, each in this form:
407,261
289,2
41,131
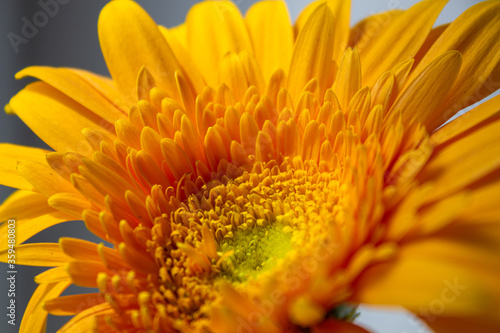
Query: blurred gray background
69,39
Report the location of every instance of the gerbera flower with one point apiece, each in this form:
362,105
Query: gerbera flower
254,176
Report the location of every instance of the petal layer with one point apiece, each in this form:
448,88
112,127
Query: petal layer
131,39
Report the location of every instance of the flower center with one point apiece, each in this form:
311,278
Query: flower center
244,226
255,250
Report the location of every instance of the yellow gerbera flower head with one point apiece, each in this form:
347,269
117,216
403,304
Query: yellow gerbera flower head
257,176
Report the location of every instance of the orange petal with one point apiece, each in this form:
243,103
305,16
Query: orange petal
312,53
129,40
36,320
44,109
11,155
75,87
400,41
341,10
467,123
464,162
184,58
72,304
422,95
24,205
87,318
30,227
38,254
475,35
44,179
348,81
464,265
272,35
213,29
370,28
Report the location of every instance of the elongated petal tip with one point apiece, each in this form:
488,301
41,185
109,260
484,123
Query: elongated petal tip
8,109
131,39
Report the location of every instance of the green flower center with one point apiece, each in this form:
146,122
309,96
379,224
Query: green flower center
255,251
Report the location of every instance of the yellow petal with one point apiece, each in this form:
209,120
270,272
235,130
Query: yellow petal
93,224
422,95
37,318
253,71
341,10
372,27
129,40
249,130
442,213
79,249
88,318
305,312
56,162
138,260
359,106
197,260
24,205
179,32
238,154
145,82
483,205
84,273
465,161
311,142
473,246
348,80
474,34
472,120
210,246
232,73
176,158
44,179
184,58
27,228
433,35
187,93
382,90
128,133
75,87
104,180
38,254
138,207
269,26
106,87
70,203
312,53
55,118
213,29
72,304
428,276
150,171
264,147
11,155
215,149
400,41
401,72
56,274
